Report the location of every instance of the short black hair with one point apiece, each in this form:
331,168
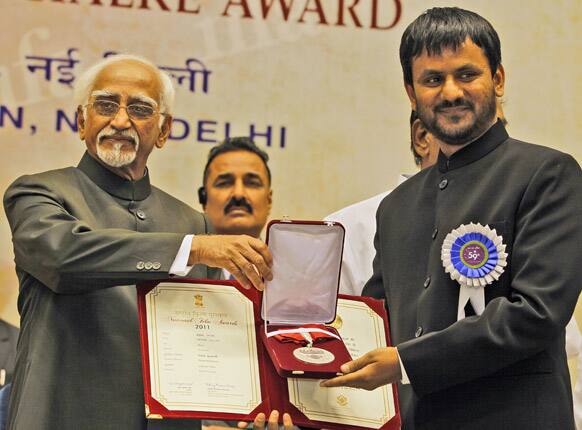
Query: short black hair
236,144
442,28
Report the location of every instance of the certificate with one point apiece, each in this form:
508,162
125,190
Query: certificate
202,348
202,357
362,330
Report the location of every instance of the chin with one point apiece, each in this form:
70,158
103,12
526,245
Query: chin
460,128
116,157
239,229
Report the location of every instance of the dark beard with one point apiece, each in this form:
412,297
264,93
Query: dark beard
464,135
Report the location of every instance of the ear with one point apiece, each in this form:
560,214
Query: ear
499,81
269,201
411,96
80,122
165,130
420,139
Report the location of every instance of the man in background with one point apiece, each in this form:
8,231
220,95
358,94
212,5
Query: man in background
236,196
236,192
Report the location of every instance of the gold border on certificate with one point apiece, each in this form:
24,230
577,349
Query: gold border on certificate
202,348
362,330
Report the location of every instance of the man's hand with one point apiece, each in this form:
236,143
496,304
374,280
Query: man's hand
376,368
246,258
272,424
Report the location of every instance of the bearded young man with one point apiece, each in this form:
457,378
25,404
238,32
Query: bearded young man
82,236
479,255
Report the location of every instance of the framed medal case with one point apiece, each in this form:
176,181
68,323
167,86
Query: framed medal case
302,298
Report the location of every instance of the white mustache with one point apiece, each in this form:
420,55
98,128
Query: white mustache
110,131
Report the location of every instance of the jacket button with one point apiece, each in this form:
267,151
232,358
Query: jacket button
434,233
156,265
427,282
149,265
141,214
418,332
443,184
140,265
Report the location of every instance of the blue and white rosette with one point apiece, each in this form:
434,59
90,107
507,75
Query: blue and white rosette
474,255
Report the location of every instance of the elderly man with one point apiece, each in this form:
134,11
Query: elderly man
81,235
479,348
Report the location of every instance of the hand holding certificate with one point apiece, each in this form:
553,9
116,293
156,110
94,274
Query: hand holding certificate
272,423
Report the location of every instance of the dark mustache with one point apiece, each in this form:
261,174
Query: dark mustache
452,104
236,202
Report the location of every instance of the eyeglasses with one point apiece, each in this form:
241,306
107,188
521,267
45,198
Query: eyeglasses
134,111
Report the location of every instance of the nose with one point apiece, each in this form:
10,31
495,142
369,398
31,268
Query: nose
451,90
239,189
121,119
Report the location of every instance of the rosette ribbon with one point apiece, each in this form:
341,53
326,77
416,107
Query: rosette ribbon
474,256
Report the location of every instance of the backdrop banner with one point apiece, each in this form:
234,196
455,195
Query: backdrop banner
316,83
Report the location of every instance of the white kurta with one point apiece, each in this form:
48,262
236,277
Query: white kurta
359,220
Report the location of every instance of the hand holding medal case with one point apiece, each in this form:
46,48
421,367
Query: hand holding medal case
302,298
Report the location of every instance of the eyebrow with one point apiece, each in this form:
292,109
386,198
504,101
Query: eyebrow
223,176
466,66
137,97
469,66
428,72
229,175
253,175
143,99
102,93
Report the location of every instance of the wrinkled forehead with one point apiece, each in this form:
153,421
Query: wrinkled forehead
128,79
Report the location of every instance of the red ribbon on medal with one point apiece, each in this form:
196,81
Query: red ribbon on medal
306,334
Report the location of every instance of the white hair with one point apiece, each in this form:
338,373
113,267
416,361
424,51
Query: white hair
85,82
